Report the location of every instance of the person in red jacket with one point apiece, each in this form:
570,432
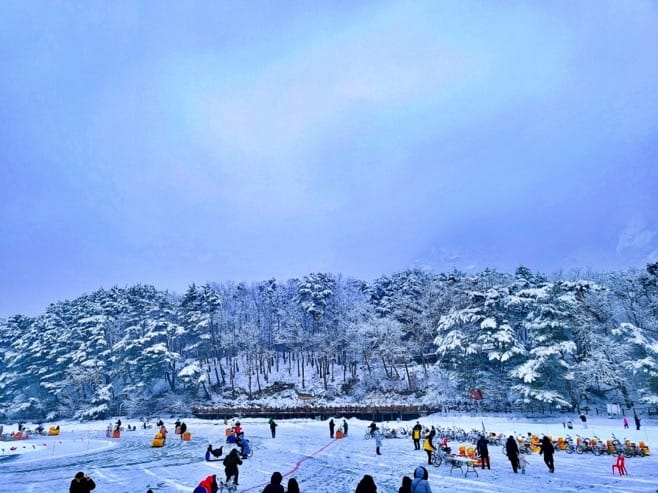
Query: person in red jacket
208,485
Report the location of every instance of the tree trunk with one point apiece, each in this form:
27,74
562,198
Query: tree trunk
406,369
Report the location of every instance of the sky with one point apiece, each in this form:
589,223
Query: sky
303,449
173,143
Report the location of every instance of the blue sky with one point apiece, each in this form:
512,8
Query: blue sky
179,142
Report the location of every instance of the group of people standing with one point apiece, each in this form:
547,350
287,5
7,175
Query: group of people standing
428,443
180,428
518,460
419,483
275,485
209,484
342,428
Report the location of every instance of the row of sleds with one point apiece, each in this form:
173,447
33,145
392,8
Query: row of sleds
161,436
25,434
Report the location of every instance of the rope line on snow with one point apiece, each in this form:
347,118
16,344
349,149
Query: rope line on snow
297,465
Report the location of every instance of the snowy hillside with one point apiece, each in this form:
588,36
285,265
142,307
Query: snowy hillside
522,342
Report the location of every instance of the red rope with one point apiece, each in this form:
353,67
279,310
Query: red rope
297,465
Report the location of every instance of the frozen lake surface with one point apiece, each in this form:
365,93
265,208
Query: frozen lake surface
303,449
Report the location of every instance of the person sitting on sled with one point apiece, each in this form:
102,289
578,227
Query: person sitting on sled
213,454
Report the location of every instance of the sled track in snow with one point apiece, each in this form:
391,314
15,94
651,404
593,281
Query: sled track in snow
127,452
113,464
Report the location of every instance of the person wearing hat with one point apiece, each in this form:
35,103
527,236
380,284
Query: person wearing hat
81,483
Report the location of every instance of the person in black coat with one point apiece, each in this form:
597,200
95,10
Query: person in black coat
512,450
366,485
293,486
213,454
483,451
406,485
547,449
332,425
416,433
432,434
231,463
81,483
275,485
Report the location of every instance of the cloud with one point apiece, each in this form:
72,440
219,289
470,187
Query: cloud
638,236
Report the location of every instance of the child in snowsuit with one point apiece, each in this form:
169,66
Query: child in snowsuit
523,463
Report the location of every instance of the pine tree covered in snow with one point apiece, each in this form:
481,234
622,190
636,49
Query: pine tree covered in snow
414,337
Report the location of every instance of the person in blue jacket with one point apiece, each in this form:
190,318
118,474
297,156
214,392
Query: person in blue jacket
420,484
245,447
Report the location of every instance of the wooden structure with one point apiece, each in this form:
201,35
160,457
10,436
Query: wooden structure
372,412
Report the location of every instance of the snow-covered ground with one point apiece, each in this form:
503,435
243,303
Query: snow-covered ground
303,449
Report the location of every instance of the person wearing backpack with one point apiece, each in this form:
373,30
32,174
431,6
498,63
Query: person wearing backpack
273,425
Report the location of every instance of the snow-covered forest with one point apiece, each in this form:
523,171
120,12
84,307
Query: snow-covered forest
526,341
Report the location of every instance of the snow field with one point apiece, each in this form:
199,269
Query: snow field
303,449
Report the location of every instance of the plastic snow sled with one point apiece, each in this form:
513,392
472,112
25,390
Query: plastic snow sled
158,440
